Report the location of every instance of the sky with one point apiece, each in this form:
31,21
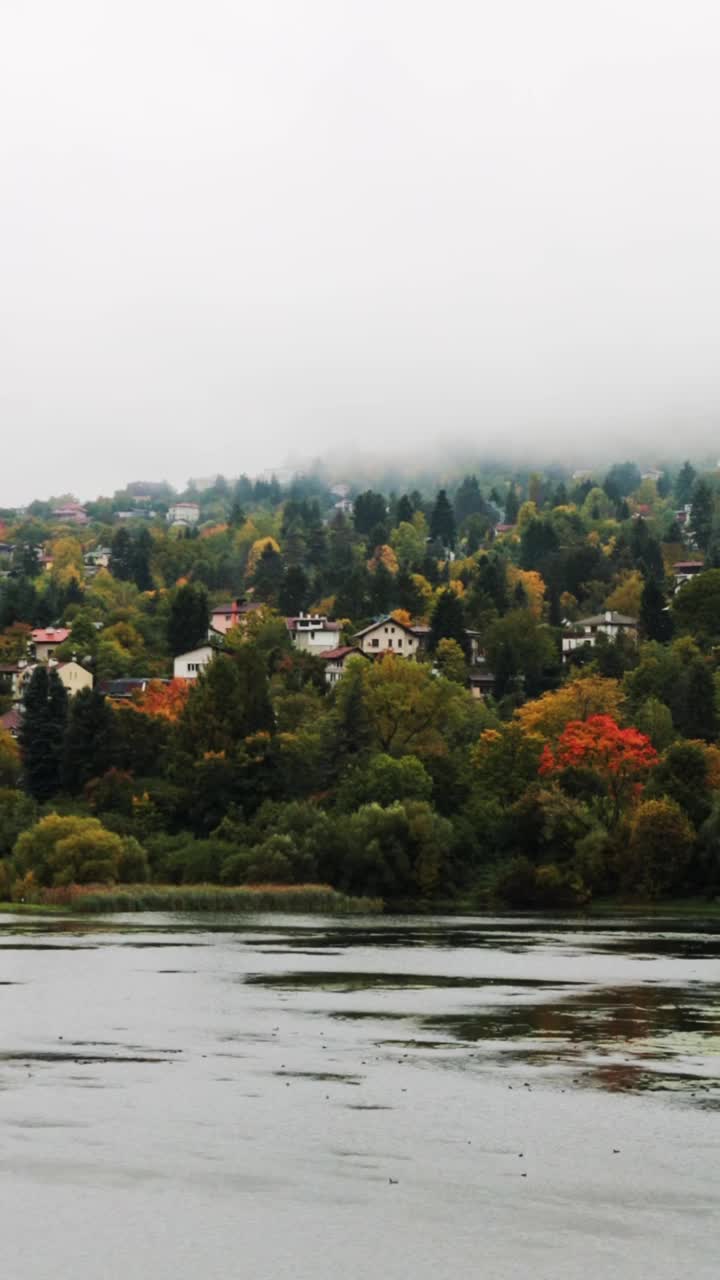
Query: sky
238,235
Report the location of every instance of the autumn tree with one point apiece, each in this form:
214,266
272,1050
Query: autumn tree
621,758
579,699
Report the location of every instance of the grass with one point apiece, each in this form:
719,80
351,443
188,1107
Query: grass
301,898
31,908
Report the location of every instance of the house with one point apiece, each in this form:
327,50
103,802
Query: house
73,676
125,688
95,560
187,666
343,507
685,570
71,513
335,660
13,676
313,632
186,513
45,640
232,613
584,632
387,635
482,681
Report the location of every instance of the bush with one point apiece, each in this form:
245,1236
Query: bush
75,850
660,848
520,884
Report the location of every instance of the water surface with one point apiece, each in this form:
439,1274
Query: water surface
300,1097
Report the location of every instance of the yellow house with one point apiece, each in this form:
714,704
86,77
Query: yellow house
74,677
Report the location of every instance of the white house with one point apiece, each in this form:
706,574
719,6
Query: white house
685,570
335,660
45,640
187,513
387,635
313,632
584,632
73,676
187,666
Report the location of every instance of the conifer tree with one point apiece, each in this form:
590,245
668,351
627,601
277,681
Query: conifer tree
42,732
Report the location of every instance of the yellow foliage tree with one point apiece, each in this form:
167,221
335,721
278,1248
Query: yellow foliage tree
532,584
627,594
256,551
67,557
579,699
384,555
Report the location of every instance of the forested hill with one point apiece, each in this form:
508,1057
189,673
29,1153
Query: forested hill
547,735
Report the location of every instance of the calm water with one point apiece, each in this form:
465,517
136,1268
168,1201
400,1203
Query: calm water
284,1097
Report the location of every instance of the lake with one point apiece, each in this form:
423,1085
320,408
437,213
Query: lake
309,1098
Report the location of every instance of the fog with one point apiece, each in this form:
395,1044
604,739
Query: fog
235,234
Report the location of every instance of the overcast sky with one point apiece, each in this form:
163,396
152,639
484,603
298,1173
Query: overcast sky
235,232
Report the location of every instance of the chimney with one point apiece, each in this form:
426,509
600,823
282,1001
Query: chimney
608,615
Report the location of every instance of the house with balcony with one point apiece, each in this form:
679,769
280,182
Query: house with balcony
335,661
313,632
584,633
46,640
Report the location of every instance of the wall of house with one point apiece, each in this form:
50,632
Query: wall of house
387,635
187,666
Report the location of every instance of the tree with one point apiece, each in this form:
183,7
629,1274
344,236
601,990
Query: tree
702,514
468,499
685,484
294,591
88,747
621,480
10,763
448,623
442,521
505,761
450,661
369,509
579,699
141,554
627,595
619,757
42,732
696,607
74,850
655,618
165,699
519,647
409,710
121,555
268,576
189,619
683,776
384,780
228,702
405,510
658,854
695,713
512,505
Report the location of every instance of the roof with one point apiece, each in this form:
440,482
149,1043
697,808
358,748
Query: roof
49,635
688,564
125,686
237,606
11,720
381,622
317,620
609,616
333,655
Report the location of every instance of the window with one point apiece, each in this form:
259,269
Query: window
400,643
375,642
389,644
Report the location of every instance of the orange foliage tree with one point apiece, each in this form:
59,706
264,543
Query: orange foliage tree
620,757
161,699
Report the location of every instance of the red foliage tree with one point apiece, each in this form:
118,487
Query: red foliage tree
621,757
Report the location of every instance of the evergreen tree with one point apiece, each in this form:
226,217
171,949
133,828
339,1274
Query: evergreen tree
694,712
442,521
352,600
88,748
42,732
237,515
408,594
655,618
684,484
189,619
294,591
141,554
268,575
702,514
121,555
512,506
369,509
448,623
382,589
405,511
468,499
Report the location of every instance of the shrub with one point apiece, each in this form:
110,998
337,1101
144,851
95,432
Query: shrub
74,850
660,847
